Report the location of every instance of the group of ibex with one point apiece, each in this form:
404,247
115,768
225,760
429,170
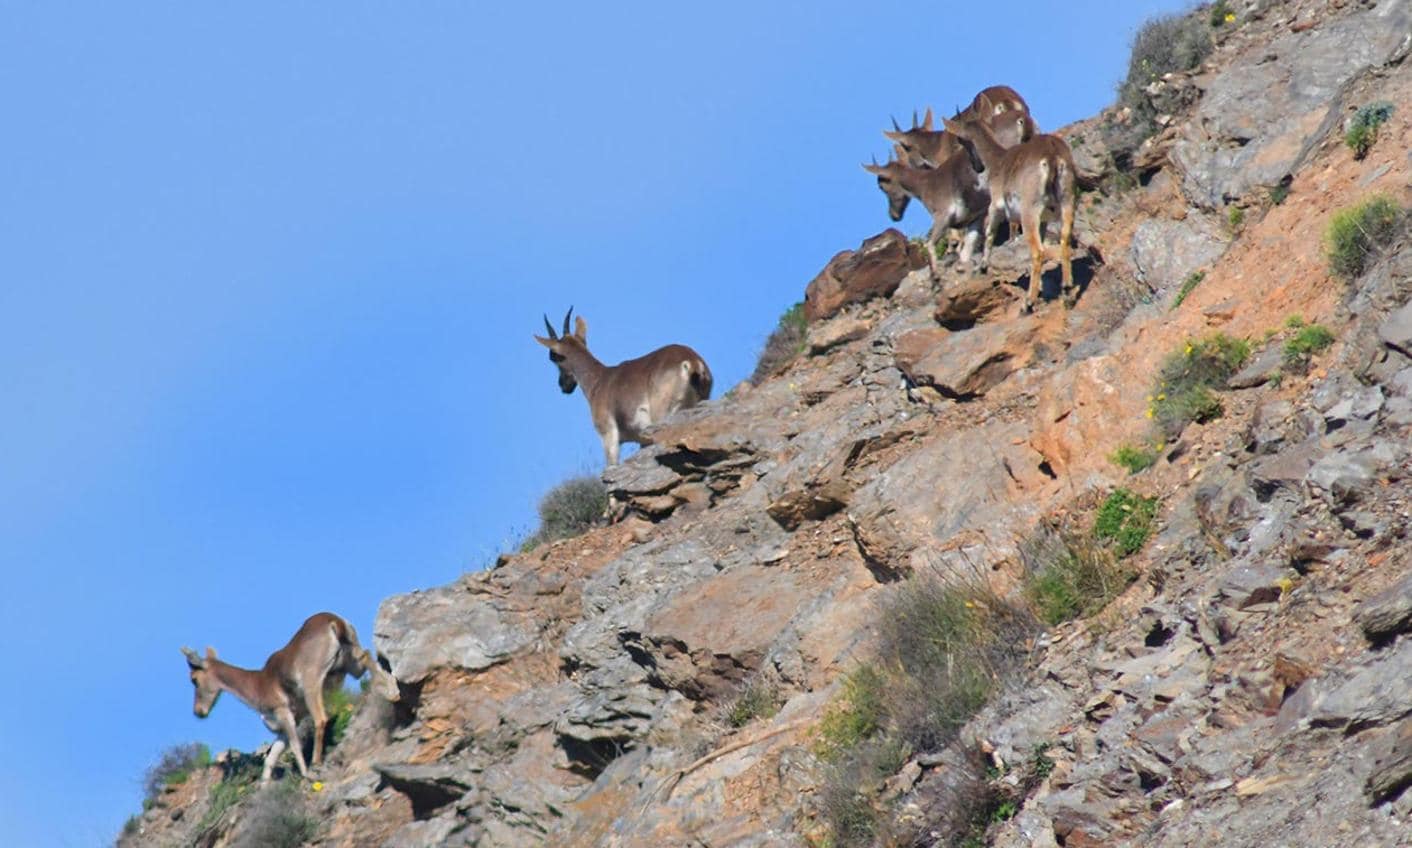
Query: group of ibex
989,161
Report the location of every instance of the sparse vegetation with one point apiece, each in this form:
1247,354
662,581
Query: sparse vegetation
1162,45
569,509
1134,458
785,343
174,767
1362,130
1073,573
758,700
1308,340
1235,219
1221,14
1186,383
944,648
1191,282
1357,234
340,705
1125,520
1279,193
276,817
241,771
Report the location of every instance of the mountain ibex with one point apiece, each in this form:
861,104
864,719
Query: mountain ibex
292,682
1026,181
627,398
923,147
954,193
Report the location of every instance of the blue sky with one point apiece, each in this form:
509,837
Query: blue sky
271,270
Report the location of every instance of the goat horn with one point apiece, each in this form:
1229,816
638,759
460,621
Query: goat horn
914,119
895,127
566,320
550,327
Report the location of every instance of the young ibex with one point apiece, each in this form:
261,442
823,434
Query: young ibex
954,193
292,683
1026,181
627,398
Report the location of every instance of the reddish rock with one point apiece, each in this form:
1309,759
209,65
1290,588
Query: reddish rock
875,269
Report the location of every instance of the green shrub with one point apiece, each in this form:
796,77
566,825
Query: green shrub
855,717
1363,128
1125,520
1186,380
1134,458
1071,575
1235,219
239,775
1356,234
1310,340
1191,282
758,700
1279,193
277,817
174,767
785,343
1221,14
943,648
570,509
1162,45
339,705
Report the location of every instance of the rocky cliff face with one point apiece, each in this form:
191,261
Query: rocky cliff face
1250,688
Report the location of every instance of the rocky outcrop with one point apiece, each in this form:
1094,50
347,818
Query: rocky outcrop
875,269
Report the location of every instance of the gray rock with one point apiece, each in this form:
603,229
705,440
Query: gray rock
448,627
1361,405
1247,585
429,786
1260,369
1348,474
1387,613
1269,425
1378,692
1260,120
1165,252
1396,330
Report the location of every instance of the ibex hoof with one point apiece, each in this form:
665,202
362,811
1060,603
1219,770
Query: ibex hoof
1028,307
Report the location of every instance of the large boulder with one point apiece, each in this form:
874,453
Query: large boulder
875,269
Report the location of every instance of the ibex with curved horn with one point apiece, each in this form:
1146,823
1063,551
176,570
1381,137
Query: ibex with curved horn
292,683
954,193
627,398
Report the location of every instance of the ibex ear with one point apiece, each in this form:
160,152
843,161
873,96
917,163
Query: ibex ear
193,659
549,343
894,136
927,120
210,653
956,128
581,329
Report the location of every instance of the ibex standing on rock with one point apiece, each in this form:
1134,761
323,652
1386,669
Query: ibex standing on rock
627,398
1026,181
292,683
954,193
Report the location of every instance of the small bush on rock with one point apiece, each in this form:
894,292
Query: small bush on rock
570,509
1357,234
1308,341
1363,127
785,343
1186,383
1125,520
276,817
1134,458
174,767
1162,45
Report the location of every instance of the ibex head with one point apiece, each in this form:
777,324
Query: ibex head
208,689
561,346
889,176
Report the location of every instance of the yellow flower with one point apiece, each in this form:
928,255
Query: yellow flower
1149,413
1230,17
1162,396
318,786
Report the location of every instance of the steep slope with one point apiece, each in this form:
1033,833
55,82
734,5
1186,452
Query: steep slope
582,693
